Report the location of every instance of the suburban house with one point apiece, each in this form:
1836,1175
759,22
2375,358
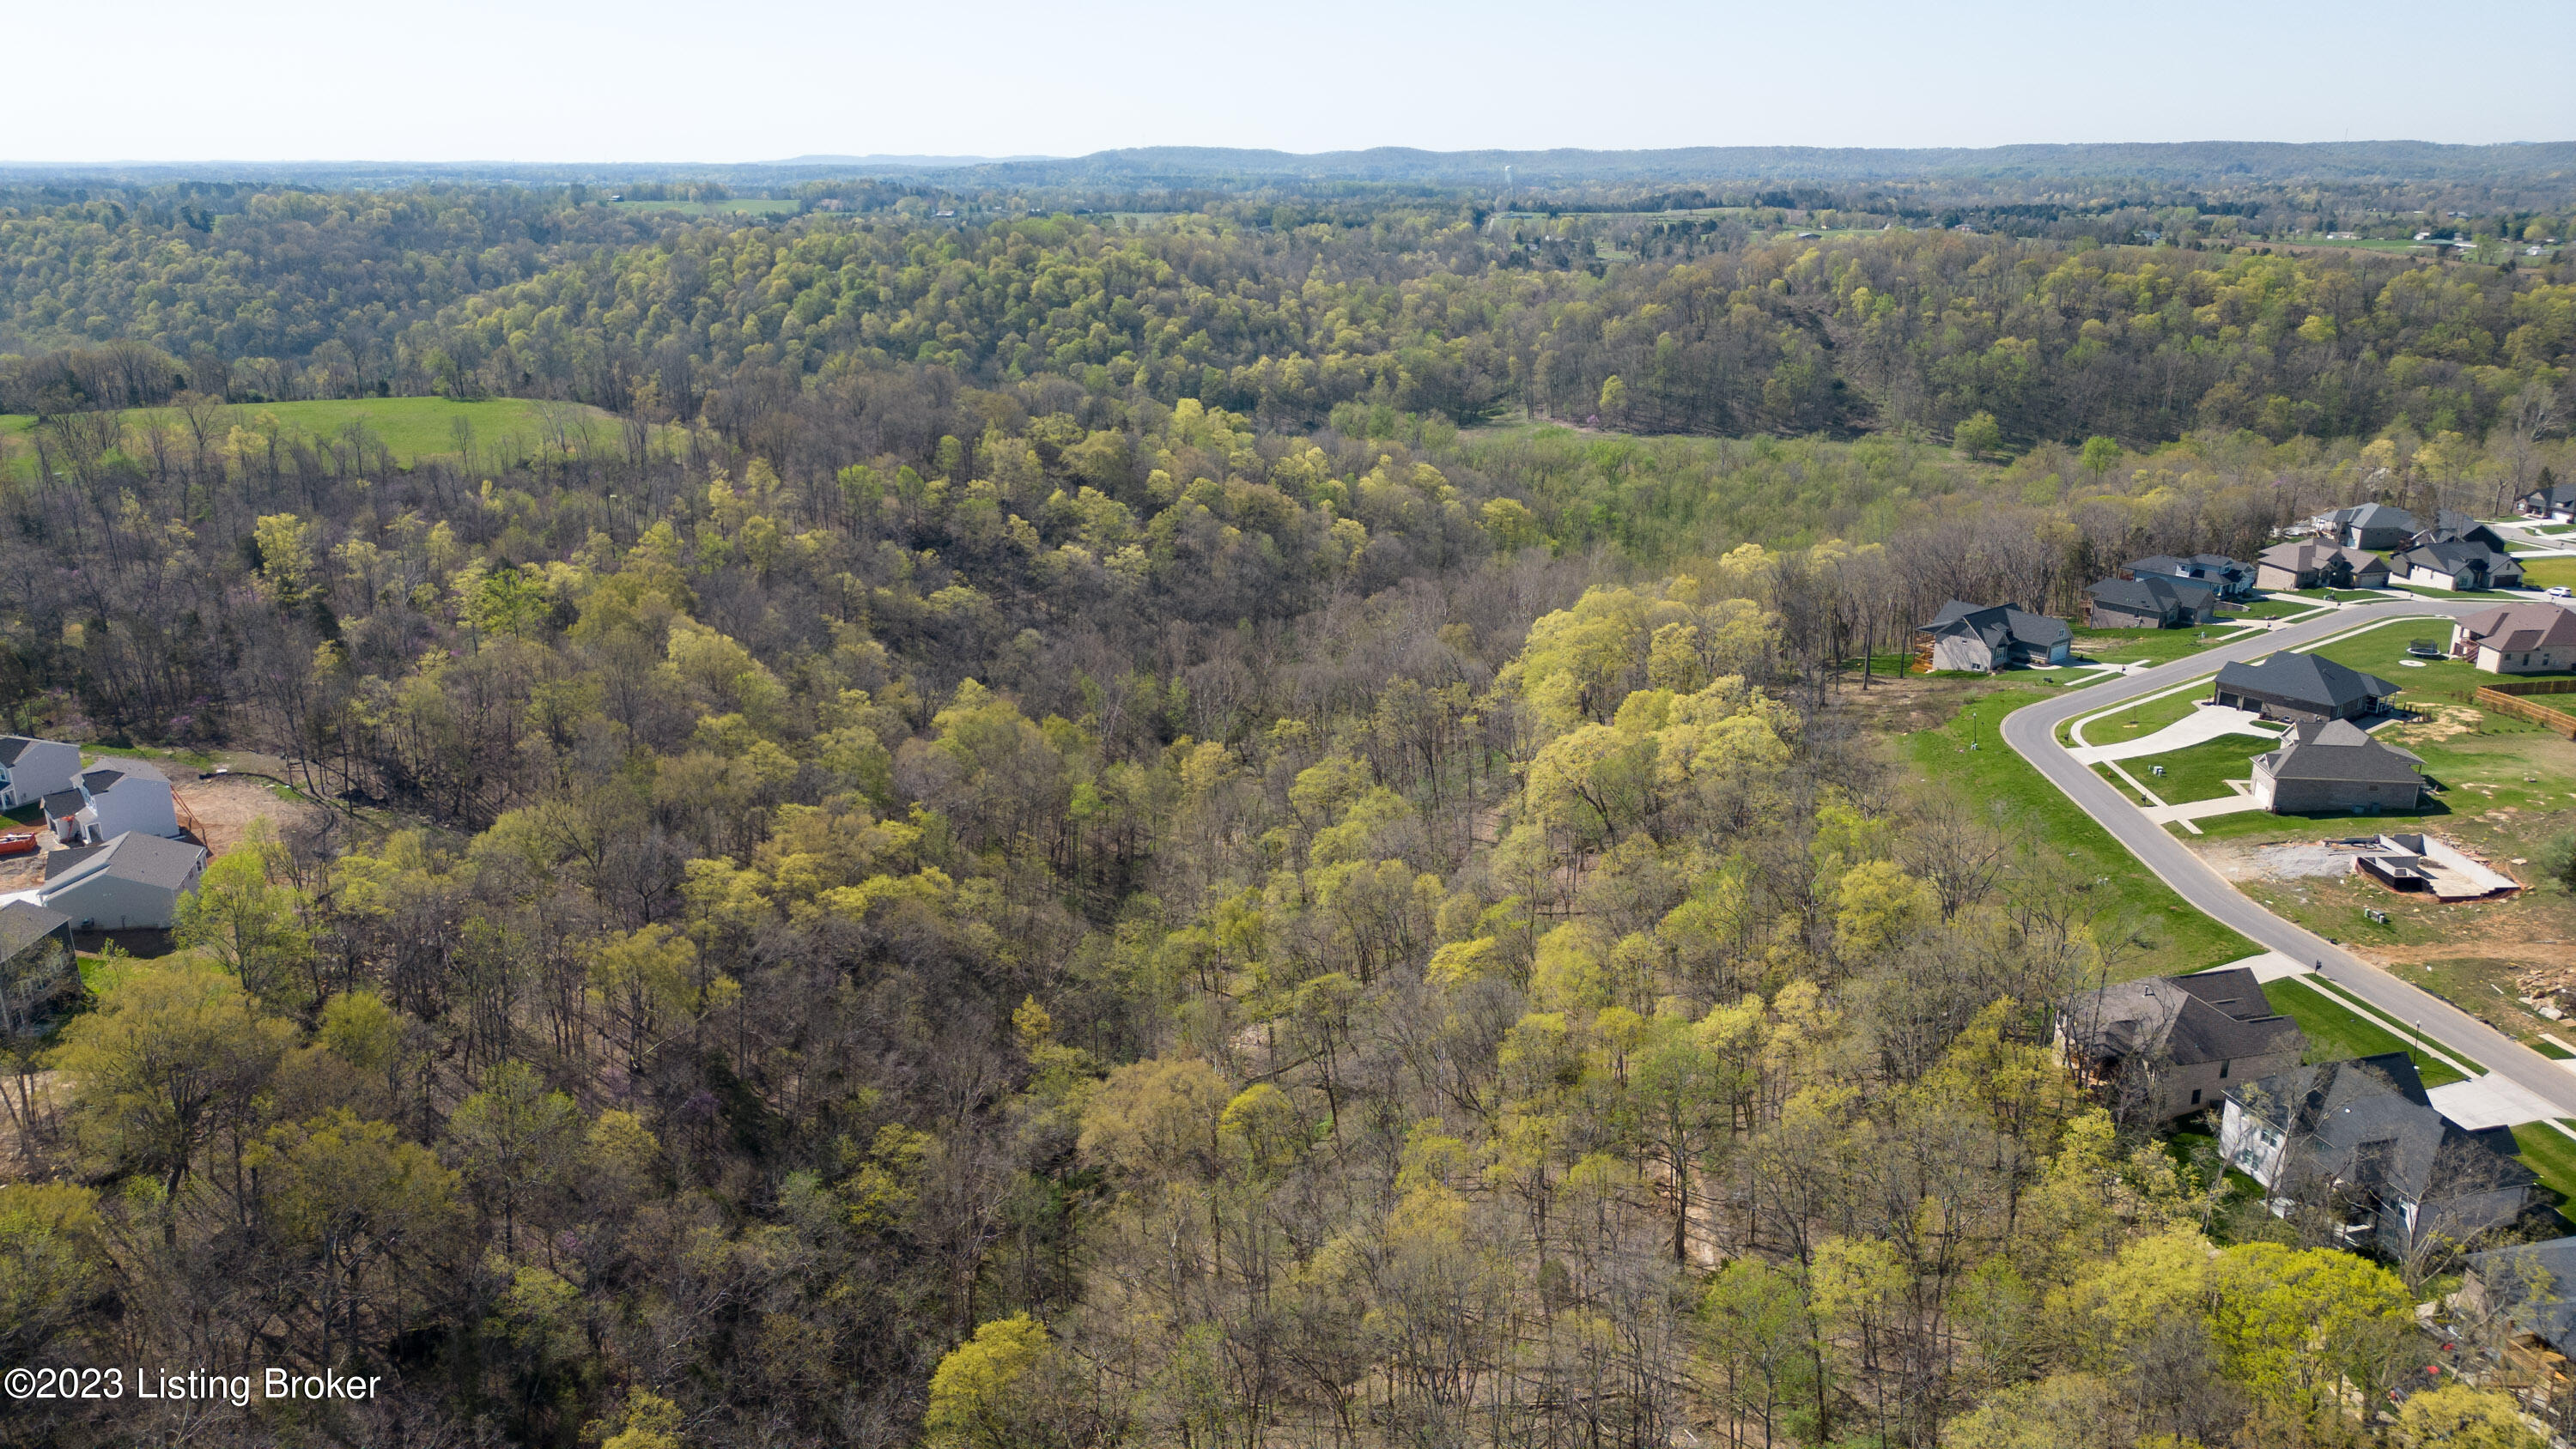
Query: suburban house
2517,639
2532,1287
2230,578
31,769
1997,636
2556,502
2371,526
134,880
2456,566
2169,1046
2292,687
2361,1140
27,994
2333,767
2150,601
2318,566
2452,526
111,800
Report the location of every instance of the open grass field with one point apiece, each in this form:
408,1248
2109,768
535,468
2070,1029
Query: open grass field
2177,938
411,428
2337,1033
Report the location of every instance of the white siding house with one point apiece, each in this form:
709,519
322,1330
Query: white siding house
31,769
111,800
132,881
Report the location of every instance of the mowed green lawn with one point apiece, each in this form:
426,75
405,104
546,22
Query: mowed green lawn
2544,573
2142,646
411,428
2337,1033
2199,772
2382,651
2550,1154
2177,937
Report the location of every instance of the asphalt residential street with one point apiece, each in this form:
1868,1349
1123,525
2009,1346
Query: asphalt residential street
2032,732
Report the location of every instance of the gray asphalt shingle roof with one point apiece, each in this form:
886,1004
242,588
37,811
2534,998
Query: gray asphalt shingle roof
2305,679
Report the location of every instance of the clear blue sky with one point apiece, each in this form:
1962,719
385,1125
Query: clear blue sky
541,80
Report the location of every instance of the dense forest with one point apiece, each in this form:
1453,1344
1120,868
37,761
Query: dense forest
1087,830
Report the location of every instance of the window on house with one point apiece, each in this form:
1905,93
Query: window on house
2195,1096
2222,1070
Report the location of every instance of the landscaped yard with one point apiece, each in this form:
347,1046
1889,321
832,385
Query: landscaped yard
2382,651
2177,937
2142,646
2545,573
2139,718
2338,1033
2550,1154
2276,607
2199,772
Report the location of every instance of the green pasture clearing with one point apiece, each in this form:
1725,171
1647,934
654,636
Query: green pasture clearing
2337,1033
410,428
2176,937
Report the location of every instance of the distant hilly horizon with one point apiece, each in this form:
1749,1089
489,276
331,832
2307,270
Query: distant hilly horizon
1156,166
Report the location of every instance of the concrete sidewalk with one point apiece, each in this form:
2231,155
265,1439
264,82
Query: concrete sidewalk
2191,810
2206,723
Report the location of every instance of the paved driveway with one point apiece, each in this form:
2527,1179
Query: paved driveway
2033,733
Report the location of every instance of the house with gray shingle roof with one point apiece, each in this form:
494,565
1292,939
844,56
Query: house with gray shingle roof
2360,1140
133,881
31,769
2150,601
2291,686
2371,526
1997,636
2455,564
2169,1046
2334,767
